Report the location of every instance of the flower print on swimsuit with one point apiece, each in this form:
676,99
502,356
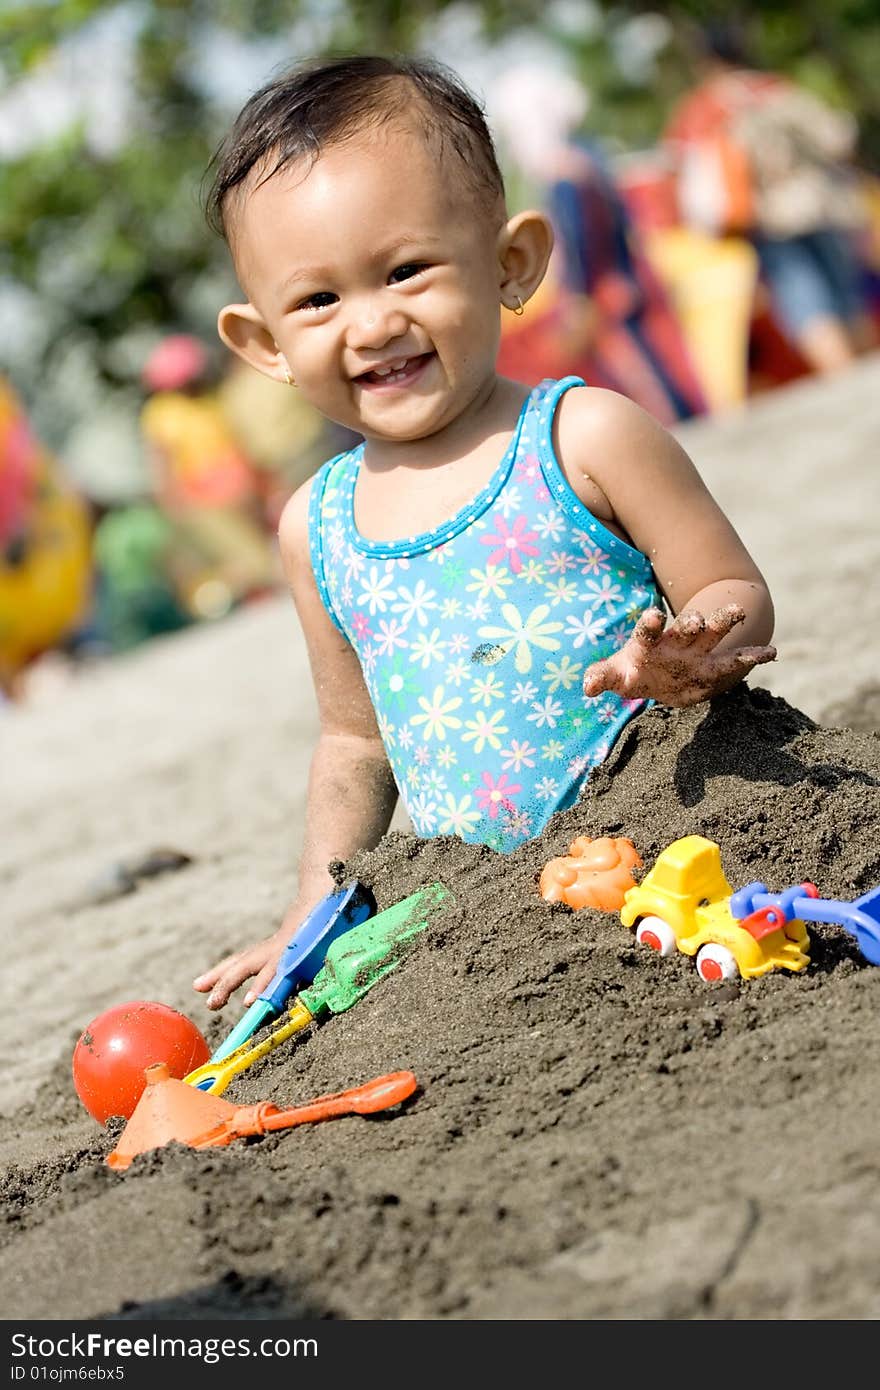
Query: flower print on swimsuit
480,681
438,714
522,634
459,816
486,688
593,560
511,542
397,682
416,602
549,524
602,590
377,591
529,470
495,795
485,730
533,572
494,579
562,674
561,591
520,754
452,574
427,648
423,813
390,636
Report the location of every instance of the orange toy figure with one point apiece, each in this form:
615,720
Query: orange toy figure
594,873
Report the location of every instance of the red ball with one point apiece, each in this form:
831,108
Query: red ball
112,1052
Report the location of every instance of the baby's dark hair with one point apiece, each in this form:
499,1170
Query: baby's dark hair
320,103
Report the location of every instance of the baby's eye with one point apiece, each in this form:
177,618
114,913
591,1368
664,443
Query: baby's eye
406,272
322,300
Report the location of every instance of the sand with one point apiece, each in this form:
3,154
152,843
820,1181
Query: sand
597,1133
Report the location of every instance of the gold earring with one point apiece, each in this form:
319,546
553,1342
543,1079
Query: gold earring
288,379
520,307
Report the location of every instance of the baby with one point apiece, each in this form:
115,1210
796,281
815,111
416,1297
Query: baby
481,582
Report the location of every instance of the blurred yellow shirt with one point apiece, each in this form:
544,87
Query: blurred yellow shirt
196,459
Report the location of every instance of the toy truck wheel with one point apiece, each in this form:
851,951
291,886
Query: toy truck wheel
654,932
716,963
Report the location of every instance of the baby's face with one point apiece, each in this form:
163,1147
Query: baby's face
376,272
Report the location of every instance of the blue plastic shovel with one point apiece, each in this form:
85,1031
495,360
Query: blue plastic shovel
302,959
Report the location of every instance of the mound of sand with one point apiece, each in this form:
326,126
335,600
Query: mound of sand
598,1133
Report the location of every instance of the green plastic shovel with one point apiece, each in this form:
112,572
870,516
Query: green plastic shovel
355,962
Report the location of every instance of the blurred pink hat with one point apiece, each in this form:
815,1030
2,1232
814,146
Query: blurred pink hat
177,361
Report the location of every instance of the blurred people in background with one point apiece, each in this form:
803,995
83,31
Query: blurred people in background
137,596
204,482
759,157
607,317
198,544
93,576
45,562
195,460
224,451
285,438
711,281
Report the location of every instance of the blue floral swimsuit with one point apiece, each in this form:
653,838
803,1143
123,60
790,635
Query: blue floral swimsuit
474,638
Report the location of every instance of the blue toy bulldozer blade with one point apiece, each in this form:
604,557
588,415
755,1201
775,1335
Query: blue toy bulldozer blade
865,924
861,918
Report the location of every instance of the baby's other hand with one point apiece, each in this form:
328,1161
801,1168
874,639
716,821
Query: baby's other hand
260,960
677,665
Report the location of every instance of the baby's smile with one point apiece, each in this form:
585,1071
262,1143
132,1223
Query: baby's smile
399,371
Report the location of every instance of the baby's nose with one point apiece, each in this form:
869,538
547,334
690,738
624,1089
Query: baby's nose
373,325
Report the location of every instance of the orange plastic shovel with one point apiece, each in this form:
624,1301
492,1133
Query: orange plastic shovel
170,1110
379,1094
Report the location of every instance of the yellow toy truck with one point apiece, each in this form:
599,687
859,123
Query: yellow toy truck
684,904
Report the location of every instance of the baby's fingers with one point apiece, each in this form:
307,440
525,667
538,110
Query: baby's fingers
649,628
758,656
741,661
266,974
232,972
686,630
599,677
691,629
226,983
724,620
208,978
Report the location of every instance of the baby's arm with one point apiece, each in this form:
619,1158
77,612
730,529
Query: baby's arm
351,793
637,478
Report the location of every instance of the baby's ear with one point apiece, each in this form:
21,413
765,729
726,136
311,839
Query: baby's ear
243,329
524,246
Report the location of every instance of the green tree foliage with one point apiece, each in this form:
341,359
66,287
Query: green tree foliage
113,244
831,46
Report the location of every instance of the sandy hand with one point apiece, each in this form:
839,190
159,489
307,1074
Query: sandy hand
260,960
677,665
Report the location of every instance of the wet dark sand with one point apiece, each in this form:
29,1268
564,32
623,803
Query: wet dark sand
598,1133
